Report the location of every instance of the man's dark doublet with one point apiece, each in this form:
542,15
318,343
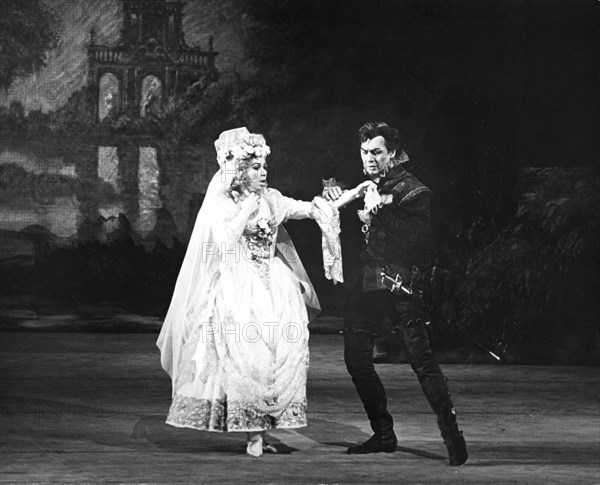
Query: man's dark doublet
399,235
399,238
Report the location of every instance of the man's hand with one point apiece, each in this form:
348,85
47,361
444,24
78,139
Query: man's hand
340,197
361,189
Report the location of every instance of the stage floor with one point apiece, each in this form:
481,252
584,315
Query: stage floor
90,407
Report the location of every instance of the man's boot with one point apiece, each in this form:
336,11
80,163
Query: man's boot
375,444
383,441
453,437
435,388
358,353
457,449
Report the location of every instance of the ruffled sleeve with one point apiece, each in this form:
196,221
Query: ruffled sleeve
327,217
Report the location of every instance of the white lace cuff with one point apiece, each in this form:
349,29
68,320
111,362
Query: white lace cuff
328,218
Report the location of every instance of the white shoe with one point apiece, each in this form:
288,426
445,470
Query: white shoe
255,445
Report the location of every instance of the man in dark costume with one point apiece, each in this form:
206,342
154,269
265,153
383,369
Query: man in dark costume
396,254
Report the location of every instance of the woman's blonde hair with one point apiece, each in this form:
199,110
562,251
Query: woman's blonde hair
244,152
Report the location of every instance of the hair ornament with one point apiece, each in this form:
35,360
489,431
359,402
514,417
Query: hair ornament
239,144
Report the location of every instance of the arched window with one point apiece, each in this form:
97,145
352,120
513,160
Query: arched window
151,95
108,97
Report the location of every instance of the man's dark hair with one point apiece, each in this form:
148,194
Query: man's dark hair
373,129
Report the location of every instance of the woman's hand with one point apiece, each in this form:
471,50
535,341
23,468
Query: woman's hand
340,200
332,193
249,204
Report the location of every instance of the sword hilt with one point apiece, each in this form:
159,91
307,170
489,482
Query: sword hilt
396,283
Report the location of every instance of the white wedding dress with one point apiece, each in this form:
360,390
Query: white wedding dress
240,361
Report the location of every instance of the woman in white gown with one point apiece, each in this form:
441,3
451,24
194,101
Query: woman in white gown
235,338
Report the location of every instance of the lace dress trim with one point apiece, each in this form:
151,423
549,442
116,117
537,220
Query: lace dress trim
219,415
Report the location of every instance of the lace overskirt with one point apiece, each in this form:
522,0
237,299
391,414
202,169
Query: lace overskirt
245,357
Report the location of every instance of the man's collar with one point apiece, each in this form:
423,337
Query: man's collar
393,175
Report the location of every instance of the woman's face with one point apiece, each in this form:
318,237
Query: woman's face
256,175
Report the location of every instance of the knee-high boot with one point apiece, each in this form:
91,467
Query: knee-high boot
358,354
435,387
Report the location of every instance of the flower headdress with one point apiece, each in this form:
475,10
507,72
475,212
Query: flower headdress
239,144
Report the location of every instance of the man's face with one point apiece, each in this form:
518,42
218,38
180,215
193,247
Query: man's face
375,156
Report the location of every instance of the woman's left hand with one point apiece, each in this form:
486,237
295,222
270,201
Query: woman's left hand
250,203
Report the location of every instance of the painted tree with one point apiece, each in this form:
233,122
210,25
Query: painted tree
28,30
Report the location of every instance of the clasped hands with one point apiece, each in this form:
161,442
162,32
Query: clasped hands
367,189
341,197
